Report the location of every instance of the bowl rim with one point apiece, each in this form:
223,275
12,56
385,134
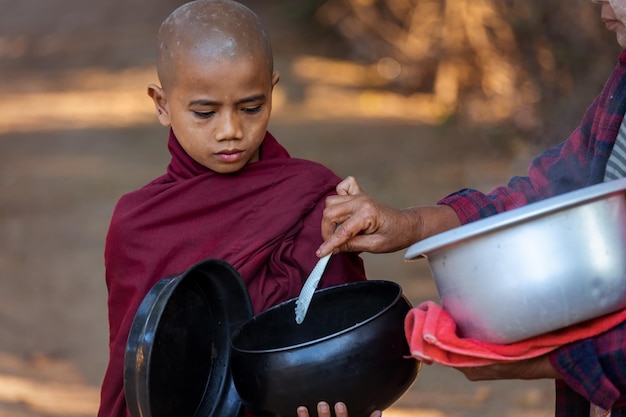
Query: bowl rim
514,216
392,303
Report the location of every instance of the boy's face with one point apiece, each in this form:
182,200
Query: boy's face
219,111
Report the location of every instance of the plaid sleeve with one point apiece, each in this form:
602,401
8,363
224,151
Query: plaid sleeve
569,403
596,367
575,163
553,172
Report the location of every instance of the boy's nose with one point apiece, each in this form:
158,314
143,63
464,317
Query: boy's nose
229,126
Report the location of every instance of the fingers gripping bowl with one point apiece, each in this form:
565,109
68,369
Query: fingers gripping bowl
534,269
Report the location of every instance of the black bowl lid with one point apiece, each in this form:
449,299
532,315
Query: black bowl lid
177,359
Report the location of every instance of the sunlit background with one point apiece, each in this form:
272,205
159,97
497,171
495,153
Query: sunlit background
416,98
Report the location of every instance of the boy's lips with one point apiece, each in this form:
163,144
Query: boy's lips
229,155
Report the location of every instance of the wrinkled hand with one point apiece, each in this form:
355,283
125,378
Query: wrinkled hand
355,222
534,368
323,410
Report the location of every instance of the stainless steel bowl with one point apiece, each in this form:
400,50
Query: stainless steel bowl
533,269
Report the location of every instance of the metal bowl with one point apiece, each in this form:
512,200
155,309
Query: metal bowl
534,269
350,347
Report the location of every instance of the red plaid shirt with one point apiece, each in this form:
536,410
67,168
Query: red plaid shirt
593,369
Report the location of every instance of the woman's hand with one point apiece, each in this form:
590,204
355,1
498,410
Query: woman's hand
535,368
355,222
323,410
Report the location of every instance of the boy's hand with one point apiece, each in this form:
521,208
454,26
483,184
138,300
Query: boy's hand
323,410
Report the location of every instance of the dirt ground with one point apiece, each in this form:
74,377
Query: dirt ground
77,131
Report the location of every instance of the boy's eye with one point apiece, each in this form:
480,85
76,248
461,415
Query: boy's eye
252,110
203,114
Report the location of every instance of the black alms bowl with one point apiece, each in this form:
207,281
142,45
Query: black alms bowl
351,347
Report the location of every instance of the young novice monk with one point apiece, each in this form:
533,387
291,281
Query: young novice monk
230,192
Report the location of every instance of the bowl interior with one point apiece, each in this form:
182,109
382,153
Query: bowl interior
333,311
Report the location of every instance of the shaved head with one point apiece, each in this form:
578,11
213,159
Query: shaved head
210,31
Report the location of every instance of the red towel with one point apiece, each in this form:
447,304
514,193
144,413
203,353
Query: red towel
432,337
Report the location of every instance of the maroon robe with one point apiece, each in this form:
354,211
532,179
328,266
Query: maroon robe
264,220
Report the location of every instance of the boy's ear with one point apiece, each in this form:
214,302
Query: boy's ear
275,78
160,102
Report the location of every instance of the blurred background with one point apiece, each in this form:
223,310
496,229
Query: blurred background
415,98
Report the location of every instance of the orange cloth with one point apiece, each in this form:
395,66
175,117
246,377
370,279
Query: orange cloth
431,334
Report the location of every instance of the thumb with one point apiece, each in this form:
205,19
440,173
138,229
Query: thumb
349,186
